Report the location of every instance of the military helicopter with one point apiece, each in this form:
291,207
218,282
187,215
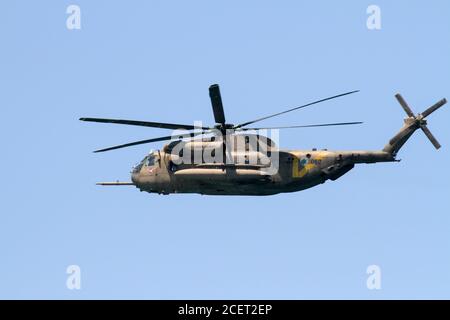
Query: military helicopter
229,159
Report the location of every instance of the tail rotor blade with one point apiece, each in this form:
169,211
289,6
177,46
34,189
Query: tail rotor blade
404,105
434,107
430,136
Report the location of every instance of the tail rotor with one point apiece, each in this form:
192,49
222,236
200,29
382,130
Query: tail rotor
419,120
412,123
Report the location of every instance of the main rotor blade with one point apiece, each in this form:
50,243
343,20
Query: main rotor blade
305,126
404,105
296,108
430,136
172,126
149,141
434,107
216,102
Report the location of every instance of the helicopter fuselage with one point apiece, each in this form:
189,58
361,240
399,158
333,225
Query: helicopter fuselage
296,170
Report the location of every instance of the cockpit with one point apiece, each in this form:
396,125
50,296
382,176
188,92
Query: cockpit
148,161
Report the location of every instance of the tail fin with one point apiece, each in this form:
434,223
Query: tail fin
412,123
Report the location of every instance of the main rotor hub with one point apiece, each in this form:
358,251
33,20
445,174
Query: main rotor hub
224,126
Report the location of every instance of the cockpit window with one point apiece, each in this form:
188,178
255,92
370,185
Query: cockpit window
138,167
150,161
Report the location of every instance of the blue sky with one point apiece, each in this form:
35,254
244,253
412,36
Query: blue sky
154,60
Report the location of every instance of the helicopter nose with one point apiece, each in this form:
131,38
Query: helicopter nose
135,178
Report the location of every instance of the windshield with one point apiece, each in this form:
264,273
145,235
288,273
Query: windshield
148,161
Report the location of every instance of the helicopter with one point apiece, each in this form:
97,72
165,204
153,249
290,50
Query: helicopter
229,159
